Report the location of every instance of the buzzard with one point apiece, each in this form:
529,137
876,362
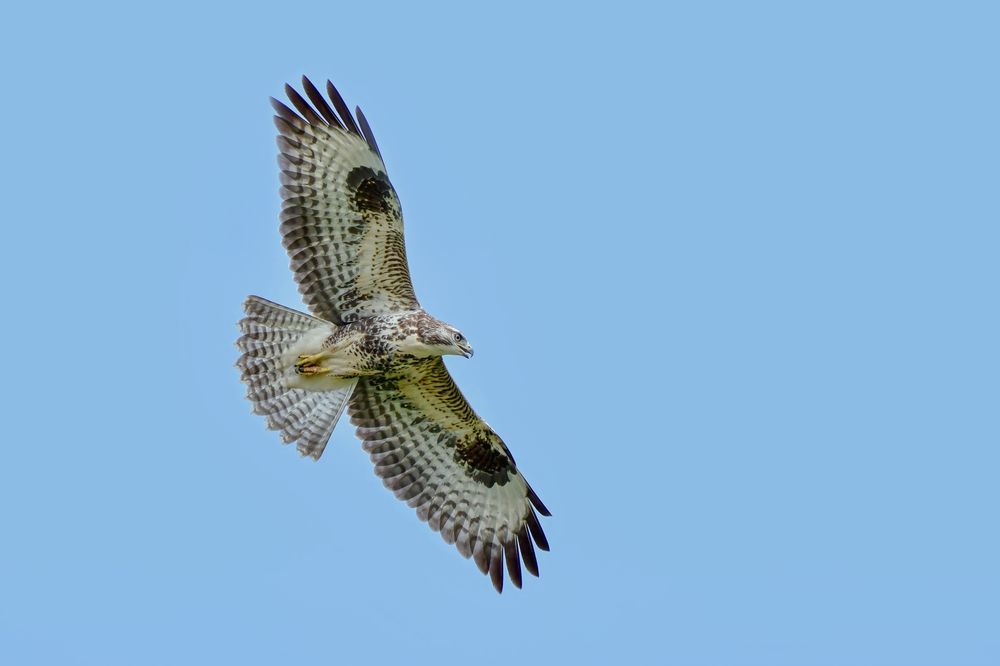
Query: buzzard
370,348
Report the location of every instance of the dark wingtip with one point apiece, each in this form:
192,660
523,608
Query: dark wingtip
481,557
317,111
527,551
316,97
513,562
283,111
536,531
342,108
496,570
537,503
302,106
367,131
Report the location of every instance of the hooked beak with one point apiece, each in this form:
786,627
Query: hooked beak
467,352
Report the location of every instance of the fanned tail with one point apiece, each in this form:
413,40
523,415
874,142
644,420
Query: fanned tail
305,417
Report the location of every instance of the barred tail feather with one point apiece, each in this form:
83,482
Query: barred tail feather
305,417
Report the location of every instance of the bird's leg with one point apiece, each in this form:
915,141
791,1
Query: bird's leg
311,364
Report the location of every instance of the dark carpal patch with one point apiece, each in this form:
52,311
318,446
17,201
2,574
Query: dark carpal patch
483,462
372,191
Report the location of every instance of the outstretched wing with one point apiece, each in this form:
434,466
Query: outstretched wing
341,221
432,451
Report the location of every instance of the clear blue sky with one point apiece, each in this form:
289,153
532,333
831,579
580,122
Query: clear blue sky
730,270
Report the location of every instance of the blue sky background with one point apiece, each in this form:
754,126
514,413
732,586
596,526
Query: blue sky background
730,270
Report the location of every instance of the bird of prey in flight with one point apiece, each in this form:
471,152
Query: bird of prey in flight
369,347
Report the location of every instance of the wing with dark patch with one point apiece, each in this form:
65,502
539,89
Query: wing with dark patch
433,451
341,221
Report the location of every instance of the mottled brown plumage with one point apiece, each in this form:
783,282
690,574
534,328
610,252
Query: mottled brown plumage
371,348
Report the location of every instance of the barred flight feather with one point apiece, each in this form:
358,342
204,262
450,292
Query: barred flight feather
304,417
414,429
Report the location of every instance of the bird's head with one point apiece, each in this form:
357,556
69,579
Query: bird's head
442,339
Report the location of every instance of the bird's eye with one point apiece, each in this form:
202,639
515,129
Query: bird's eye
458,337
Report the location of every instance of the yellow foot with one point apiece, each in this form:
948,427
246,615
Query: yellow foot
310,365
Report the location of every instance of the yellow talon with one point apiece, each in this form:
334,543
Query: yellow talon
311,365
